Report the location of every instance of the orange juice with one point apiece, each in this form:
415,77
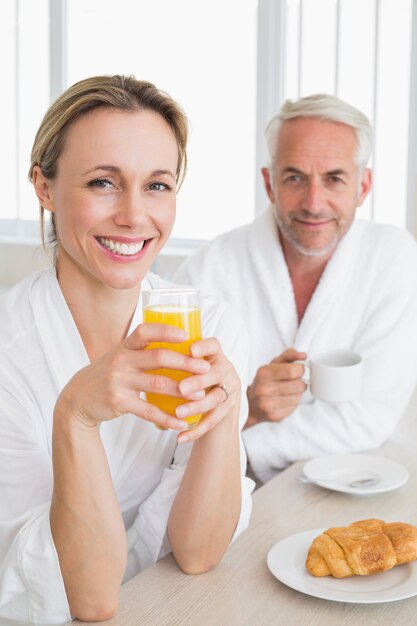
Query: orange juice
189,319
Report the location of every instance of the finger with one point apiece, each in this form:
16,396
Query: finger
275,412
277,407
214,398
144,334
163,358
158,383
289,356
292,401
216,375
151,413
209,421
207,347
284,388
279,371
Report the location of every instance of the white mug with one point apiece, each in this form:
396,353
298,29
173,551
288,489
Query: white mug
335,376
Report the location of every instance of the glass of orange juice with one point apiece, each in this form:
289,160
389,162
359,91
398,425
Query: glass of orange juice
178,307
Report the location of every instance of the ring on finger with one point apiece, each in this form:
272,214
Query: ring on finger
223,388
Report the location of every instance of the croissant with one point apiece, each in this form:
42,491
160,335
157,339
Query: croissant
365,547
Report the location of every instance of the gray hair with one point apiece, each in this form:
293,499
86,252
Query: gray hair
328,108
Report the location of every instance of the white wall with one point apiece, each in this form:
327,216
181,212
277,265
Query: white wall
19,259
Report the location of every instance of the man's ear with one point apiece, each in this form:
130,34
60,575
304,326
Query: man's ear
42,188
365,186
267,176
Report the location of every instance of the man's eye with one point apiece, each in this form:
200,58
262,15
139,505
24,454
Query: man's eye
295,178
159,187
335,179
101,183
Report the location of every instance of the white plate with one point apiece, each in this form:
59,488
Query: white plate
286,560
345,468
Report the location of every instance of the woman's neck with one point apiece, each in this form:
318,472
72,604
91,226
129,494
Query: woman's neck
102,314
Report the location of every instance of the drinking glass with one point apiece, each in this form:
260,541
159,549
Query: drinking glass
178,307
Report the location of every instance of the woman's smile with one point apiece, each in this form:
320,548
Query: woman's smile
122,249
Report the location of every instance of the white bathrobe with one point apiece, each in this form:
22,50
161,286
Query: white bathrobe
366,301
40,350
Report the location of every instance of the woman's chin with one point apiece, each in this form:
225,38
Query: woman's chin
123,280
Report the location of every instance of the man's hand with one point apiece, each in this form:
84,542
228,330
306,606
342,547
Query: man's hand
276,389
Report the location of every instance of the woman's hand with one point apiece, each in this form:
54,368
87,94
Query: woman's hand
216,403
111,385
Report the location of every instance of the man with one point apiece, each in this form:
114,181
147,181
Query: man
307,277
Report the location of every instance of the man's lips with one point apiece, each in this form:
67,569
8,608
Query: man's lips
314,224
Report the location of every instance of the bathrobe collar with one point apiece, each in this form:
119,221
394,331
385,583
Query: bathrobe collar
270,267
59,336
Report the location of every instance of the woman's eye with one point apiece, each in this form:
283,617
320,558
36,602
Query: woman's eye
101,183
159,187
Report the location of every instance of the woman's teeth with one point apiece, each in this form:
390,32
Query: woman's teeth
121,248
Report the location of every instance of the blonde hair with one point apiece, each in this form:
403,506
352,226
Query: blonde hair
118,92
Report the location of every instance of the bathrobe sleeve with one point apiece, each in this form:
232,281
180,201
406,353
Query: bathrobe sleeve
147,538
31,586
387,340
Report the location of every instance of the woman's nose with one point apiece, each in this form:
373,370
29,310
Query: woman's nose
131,209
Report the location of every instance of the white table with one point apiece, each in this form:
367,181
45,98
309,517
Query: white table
241,590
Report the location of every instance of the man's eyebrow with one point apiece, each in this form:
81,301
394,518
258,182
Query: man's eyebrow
294,170
337,172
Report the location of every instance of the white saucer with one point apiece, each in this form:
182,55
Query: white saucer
345,468
286,561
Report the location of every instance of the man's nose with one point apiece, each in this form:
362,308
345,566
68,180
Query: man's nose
314,196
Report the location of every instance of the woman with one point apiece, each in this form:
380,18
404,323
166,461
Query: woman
91,491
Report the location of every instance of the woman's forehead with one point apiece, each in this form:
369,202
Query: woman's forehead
117,137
